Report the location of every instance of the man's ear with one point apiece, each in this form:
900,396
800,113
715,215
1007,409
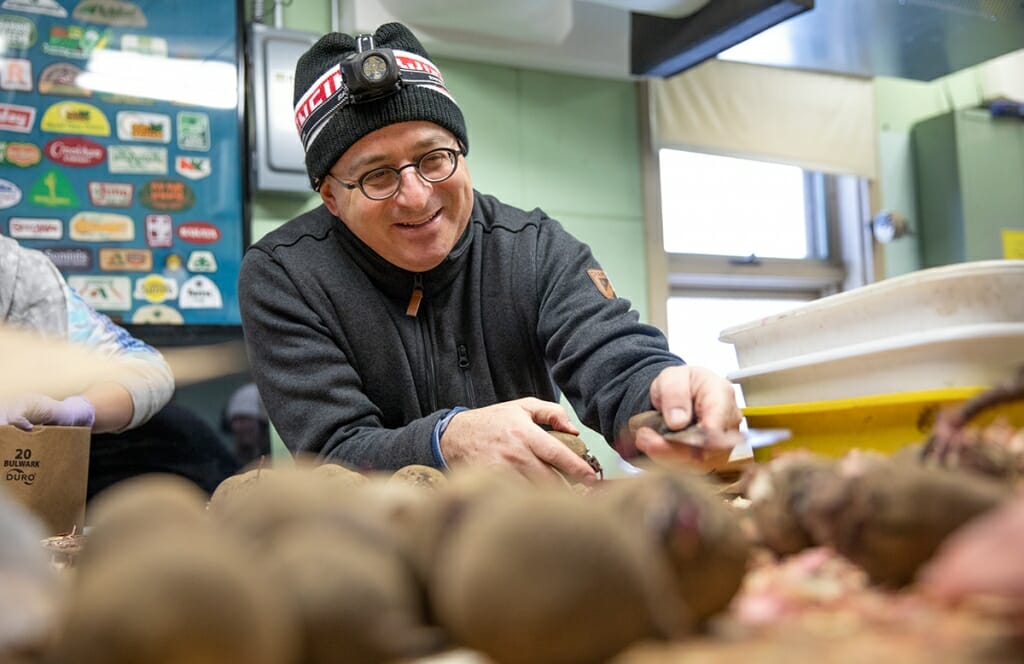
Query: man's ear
329,199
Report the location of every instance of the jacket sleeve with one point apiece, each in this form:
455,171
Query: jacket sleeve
142,370
600,354
313,393
42,301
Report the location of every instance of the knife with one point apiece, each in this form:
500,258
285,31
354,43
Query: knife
694,435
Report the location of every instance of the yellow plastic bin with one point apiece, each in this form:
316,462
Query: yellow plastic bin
883,422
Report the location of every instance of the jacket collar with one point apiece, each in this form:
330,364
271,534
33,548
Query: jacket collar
395,281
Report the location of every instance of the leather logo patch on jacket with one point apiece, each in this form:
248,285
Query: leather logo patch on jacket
603,283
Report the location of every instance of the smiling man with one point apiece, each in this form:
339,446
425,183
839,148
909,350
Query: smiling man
411,319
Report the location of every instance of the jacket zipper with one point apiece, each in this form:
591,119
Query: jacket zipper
467,377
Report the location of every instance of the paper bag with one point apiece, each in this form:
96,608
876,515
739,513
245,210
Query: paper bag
47,470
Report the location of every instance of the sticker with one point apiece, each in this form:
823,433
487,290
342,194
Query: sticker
126,260
22,155
69,258
104,293
144,45
167,195
17,118
603,283
147,127
174,268
198,232
101,227
137,159
75,117
109,12
53,190
200,292
16,74
45,7
193,131
111,194
1013,243
27,228
156,314
194,168
75,41
10,194
201,260
17,33
156,289
75,152
158,230
61,78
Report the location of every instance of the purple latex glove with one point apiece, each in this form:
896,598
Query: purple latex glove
27,410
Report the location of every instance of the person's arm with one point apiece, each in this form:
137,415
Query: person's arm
610,365
313,393
144,382
40,300
113,406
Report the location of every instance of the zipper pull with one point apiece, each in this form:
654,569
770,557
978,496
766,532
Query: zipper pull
416,298
463,356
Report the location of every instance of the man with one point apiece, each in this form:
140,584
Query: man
411,319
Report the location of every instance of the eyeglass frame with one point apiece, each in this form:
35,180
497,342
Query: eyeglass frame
453,153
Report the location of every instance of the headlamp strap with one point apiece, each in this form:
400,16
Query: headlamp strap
364,43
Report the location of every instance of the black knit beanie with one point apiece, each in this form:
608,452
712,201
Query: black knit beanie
329,123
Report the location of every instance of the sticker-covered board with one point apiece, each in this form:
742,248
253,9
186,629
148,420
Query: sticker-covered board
121,153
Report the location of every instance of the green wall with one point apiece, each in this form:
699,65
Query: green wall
566,144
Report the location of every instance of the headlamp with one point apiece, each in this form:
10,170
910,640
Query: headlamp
371,74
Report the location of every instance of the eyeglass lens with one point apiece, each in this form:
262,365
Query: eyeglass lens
435,166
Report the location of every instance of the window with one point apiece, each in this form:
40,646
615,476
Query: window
732,207
745,239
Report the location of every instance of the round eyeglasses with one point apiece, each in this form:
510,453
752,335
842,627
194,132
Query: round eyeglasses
383,183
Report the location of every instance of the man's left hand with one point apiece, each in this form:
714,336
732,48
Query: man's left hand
685,395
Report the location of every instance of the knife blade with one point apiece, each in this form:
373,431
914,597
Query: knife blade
752,438
695,435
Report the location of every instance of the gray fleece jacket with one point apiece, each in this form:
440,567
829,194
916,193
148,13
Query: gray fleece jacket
519,308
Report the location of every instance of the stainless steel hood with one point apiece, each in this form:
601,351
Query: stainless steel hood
915,39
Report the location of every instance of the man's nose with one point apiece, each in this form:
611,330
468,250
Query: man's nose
412,188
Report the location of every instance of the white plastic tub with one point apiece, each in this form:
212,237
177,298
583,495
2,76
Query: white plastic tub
975,293
962,356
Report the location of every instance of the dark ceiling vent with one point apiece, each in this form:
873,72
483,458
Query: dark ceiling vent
662,47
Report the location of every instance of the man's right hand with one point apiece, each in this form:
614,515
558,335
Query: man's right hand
508,434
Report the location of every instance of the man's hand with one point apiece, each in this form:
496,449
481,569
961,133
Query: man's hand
29,409
507,434
684,395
